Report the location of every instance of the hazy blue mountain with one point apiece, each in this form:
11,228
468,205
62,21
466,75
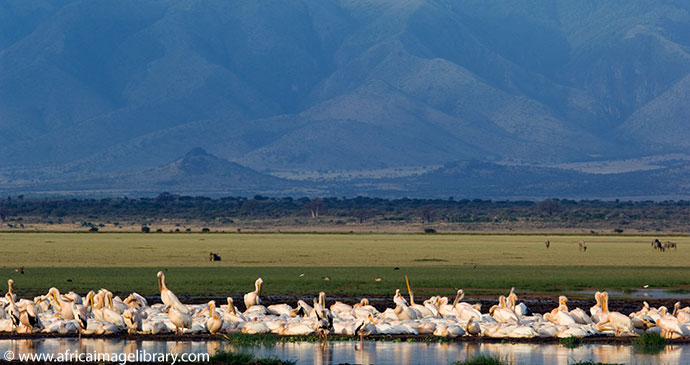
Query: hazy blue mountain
93,88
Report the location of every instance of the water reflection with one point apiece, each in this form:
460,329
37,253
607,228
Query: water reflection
365,353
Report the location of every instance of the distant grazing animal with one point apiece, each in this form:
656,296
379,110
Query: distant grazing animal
656,244
547,243
213,256
582,245
669,244
19,270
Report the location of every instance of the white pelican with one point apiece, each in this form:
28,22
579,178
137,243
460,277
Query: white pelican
168,297
279,309
422,310
132,319
81,315
452,330
340,307
179,319
503,314
402,310
255,327
682,315
63,306
466,311
231,314
561,318
252,298
295,329
10,289
596,309
669,325
137,301
109,314
214,322
363,309
473,328
619,322
580,316
448,310
13,311
519,309
362,328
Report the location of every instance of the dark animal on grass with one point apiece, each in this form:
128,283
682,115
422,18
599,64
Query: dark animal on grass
19,270
669,244
214,257
547,243
656,244
582,245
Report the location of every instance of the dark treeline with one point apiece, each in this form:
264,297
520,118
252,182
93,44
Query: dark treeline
360,209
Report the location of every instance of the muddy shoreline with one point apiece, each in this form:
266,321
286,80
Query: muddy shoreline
592,340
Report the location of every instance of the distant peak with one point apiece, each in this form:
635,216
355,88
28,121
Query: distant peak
197,152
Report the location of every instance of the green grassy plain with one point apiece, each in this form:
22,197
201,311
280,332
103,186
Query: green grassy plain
436,264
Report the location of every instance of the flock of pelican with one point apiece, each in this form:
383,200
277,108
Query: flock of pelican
101,313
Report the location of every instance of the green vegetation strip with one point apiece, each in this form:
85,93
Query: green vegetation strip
346,281
243,358
649,343
337,250
357,265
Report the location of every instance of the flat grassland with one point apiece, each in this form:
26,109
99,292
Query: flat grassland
295,264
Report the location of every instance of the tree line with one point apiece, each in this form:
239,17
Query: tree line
359,210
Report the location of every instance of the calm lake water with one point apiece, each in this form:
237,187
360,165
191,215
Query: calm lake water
367,353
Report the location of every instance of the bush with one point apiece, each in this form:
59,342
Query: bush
429,230
93,229
480,360
570,342
205,230
223,357
145,229
649,343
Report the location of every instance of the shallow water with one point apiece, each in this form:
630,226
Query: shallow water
369,352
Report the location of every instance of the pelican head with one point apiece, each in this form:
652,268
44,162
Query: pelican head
231,305
562,300
259,282
322,299
458,297
212,305
161,281
663,310
364,302
10,282
398,299
605,302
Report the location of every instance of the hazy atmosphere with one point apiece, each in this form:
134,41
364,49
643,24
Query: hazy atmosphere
427,98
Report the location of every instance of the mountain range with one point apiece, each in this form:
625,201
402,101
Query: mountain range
385,97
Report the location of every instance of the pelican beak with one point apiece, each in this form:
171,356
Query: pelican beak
407,281
372,319
160,287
